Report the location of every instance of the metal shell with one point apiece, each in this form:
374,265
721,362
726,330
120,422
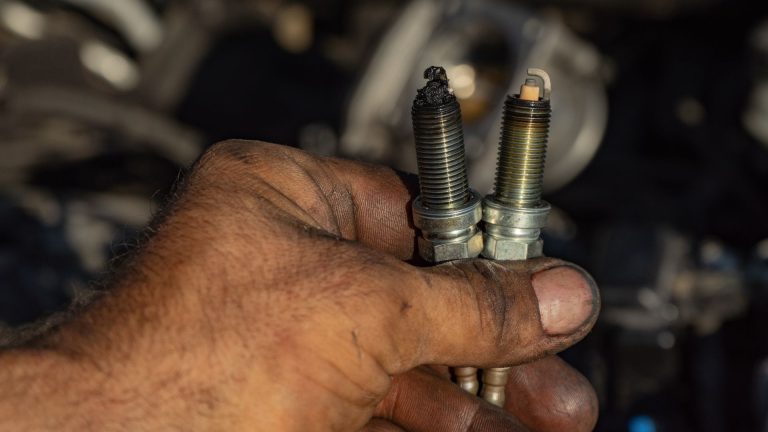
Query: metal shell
514,217
436,221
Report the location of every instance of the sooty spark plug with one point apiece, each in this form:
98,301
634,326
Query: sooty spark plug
447,210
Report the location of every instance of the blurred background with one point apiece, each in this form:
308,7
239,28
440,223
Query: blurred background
657,170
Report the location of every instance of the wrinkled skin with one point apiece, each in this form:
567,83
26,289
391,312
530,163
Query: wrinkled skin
277,292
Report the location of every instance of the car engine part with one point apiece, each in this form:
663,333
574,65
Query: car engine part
515,214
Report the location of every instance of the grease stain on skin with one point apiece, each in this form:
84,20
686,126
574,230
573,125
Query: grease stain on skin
404,306
357,345
427,280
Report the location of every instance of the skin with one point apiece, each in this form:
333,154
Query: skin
279,291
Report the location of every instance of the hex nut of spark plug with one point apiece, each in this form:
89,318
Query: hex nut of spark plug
511,249
437,251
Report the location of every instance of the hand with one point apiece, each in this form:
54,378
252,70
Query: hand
275,293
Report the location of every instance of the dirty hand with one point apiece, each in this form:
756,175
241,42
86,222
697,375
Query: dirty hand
275,294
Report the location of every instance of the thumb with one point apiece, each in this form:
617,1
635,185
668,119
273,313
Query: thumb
487,313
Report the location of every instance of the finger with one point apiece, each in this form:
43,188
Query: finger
549,395
420,401
440,370
361,202
381,425
382,211
484,313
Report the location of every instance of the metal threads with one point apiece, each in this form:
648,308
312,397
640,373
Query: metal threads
440,145
522,152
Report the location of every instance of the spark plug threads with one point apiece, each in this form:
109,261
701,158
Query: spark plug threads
439,138
447,211
522,152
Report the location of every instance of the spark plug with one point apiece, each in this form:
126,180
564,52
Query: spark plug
447,210
515,214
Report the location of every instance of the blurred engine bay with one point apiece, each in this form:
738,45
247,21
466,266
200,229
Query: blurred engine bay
657,170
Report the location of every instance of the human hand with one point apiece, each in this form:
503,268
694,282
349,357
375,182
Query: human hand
275,294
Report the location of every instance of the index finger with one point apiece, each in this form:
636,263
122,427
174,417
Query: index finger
366,203
382,210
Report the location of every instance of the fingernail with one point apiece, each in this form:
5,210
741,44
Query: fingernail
567,299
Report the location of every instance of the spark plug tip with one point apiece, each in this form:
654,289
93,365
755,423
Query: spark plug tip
436,92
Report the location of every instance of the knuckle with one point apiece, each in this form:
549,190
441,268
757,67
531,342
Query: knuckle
238,159
492,300
496,306
258,157
225,152
507,308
